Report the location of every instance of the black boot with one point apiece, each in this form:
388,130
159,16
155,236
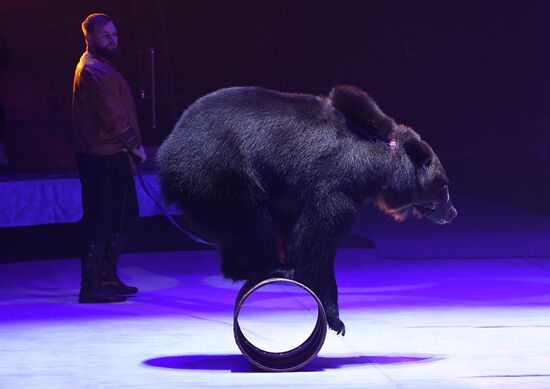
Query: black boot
110,282
90,288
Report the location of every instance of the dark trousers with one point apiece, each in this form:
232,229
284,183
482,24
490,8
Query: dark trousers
109,199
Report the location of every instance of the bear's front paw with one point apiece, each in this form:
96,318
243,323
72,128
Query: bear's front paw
337,325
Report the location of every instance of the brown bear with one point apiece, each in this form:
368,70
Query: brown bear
277,179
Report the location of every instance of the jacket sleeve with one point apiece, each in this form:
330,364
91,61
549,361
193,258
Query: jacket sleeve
105,96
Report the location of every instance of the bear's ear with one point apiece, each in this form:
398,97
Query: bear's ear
361,109
418,151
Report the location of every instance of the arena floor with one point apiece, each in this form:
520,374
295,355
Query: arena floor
411,323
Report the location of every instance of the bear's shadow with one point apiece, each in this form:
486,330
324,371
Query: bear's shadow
237,363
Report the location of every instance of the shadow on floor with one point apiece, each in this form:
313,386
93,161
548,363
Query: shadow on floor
237,363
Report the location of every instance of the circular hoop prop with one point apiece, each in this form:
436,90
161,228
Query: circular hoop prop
290,360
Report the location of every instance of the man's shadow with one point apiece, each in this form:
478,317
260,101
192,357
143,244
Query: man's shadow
237,363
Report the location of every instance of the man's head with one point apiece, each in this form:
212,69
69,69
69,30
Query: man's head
101,35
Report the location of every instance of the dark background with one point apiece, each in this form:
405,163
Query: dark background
471,77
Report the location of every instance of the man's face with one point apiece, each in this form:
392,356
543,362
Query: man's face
104,41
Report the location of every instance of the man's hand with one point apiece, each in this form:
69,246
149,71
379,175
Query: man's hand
139,154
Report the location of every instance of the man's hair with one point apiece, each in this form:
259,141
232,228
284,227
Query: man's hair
94,20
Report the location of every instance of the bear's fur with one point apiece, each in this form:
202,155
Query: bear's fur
277,179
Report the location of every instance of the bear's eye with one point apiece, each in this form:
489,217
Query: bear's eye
425,209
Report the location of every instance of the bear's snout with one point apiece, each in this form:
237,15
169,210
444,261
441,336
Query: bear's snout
451,214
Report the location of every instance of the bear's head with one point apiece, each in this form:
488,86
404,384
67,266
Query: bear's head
416,181
417,184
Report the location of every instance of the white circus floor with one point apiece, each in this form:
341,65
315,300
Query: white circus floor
411,323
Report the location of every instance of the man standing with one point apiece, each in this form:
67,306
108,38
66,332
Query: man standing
105,133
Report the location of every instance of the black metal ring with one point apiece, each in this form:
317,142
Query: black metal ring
286,360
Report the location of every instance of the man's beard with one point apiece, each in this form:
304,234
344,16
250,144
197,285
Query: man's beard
108,54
